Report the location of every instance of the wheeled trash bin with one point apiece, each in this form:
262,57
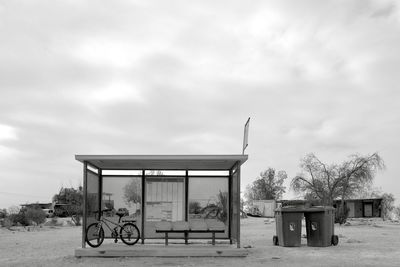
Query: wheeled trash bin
288,226
320,222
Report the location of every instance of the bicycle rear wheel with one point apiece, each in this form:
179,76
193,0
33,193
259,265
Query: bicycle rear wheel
94,235
129,234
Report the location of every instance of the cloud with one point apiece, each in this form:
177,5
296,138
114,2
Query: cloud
385,11
178,78
105,51
7,132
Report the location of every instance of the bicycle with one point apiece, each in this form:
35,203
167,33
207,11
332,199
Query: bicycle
129,233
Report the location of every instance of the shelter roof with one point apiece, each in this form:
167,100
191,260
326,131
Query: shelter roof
163,162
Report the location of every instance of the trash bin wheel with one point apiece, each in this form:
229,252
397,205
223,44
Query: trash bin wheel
275,240
335,240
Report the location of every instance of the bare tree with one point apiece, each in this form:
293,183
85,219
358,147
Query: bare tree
330,181
368,191
218,209
133,191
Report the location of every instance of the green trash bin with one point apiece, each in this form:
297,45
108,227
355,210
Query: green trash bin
288,226
320,222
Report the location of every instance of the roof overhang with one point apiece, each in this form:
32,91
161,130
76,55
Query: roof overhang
163,162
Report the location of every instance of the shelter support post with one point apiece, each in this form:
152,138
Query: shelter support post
235,207
230,206
84,204
187,196
238,203
100,192
142,205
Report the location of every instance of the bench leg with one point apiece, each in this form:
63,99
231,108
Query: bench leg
186,238
166,239
213,238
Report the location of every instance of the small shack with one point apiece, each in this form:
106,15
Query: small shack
360,208
154,188
266,208
38,205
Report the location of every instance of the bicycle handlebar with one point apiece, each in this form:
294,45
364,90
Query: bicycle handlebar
105,210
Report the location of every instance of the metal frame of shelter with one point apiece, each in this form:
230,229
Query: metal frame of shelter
96,164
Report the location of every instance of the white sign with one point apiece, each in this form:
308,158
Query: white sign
246,135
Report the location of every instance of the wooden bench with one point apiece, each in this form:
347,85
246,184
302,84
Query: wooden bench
196,226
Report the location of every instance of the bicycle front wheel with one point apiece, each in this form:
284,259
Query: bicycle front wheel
94,235
130,234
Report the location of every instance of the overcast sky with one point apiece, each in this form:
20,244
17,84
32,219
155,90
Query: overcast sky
182,77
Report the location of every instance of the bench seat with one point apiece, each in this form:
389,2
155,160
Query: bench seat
195,226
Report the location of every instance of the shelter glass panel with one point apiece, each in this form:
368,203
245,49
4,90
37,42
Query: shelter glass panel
164,202
122,195
92,201
209,201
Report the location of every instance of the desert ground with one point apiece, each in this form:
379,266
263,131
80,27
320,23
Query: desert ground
362,243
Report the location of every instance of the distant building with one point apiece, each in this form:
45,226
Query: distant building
360,208
265,208
36,205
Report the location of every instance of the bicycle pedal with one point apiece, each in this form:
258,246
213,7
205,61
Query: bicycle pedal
115,241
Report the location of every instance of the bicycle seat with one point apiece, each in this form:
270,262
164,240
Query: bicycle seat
120,213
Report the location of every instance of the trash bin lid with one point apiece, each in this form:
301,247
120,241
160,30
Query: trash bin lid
291,209
319,209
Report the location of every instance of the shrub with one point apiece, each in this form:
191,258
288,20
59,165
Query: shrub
3,213
3,216
341,215
18,218
7,223
37,216
387,205
397,212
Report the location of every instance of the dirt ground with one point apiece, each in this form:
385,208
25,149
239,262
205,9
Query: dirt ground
365,243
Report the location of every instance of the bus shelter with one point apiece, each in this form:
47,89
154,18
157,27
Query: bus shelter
156,188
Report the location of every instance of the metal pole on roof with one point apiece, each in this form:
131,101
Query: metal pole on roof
246,135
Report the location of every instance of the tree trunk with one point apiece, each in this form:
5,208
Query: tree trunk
342,212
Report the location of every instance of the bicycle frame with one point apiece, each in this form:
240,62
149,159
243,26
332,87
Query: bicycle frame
105,221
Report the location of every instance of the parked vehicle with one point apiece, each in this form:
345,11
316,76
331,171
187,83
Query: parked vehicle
254,212
49,213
